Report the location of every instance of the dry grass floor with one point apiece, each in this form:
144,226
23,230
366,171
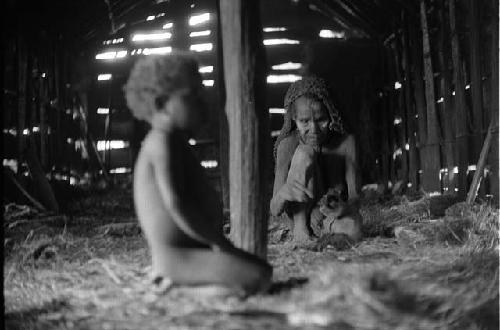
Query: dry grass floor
89,272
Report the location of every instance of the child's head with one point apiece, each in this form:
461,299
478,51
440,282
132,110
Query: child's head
165,86
309,109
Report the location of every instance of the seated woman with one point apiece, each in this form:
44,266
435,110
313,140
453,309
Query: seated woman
315,163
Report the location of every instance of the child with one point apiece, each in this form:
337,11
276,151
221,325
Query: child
178,210
314,155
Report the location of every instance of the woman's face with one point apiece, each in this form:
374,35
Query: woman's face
311,118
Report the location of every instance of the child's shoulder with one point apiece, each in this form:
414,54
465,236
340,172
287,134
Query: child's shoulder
157,141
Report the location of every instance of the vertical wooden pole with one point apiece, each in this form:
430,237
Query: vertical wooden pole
431,164
244,73
400,111
475,76
43,123
447,111
494,87
461,129
22,70
223,124
419,95
410,110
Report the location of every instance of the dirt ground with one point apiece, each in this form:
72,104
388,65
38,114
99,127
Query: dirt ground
90,271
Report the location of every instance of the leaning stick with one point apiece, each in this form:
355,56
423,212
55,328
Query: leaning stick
36,203
476,181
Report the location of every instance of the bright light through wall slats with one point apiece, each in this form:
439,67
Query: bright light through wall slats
274,29
201,47
112,144
332,34
281,41
275,133
111,55
156,51
287,66
206,69
277,110
209,163
150,18
200,33
168,25
120,170
282,78
199,19
151,36
104,76
208,83
102,111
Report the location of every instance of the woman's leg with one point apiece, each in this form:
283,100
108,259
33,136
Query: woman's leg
302,169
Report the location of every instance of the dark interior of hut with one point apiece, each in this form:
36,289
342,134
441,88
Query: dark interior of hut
415,82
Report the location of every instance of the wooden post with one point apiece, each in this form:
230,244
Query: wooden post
494,91
431,163
478,175
447,111
223,124
475,76
244,73
22,69
461,130
43,95
410,110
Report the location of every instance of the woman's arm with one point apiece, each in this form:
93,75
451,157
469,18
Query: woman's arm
349,152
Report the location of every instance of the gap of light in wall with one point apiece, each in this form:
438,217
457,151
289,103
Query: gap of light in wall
112,41
120,170
208,83
103,111
168,25
441,100
274,29
151,36
26,131
275,133
157,51
467,86
397,85
200,33
201,47
104,76
277,110
206,69
192,142
453,93
280,41
209,163
407,146
11,163
283,78
287,66
111,55
398,120
160,15
397,152
112,144
199,19
332,34
35,129
150,18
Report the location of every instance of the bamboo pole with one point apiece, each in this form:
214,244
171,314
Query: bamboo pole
244,75
475,75
431,163
478,175
22,70
410,110
447,111
494,91
461,129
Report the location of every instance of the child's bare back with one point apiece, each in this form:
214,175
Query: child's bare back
177,208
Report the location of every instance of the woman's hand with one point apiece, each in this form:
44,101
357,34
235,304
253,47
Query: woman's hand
289,192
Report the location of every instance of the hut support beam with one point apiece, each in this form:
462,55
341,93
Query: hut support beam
244,75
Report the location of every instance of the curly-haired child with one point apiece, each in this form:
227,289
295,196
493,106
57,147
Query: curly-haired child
178,210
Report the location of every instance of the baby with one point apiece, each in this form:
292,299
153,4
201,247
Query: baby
315,156
178,210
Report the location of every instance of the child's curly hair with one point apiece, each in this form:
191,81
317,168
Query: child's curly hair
154,78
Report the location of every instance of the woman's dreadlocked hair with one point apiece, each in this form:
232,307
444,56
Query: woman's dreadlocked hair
316,88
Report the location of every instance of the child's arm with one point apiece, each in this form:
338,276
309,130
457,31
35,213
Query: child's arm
184,213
